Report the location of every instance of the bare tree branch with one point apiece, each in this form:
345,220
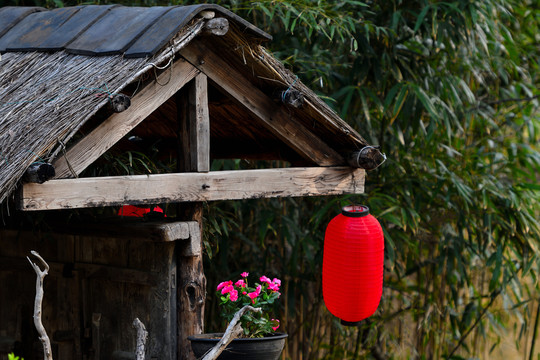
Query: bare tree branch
142,336
233,331
47,352
477,321
501,101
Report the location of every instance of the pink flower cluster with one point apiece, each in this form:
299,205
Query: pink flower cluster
227,287
235,295
272,284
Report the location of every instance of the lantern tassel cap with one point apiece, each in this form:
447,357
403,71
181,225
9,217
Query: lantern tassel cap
355,211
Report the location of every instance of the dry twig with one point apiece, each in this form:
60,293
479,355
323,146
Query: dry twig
142,336
47,352
233,331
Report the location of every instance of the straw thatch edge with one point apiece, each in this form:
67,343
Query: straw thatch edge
61,92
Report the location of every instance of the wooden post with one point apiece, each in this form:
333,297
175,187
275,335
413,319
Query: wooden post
194,155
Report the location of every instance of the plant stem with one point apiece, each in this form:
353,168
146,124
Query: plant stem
462,339
535,331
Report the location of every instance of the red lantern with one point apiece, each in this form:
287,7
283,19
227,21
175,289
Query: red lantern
138,211
353,264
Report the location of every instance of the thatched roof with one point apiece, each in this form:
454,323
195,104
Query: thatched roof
58,69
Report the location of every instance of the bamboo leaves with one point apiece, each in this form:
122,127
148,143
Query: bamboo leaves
450,91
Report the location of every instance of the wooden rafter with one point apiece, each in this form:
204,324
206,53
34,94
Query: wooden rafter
101,139
272,116
184,187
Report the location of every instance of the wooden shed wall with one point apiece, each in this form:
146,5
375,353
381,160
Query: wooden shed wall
95,289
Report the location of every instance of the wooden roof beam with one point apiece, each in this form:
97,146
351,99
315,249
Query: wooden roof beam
272,116
184,187
108,133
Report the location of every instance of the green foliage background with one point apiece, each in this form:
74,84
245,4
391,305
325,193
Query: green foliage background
449,89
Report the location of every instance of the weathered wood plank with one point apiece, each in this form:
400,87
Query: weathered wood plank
110,273
272,116
7,344
194,119
117,274
73,27
35,28
199,119
77,290
11,16
127,23
157,35
92,146
183,187
194,246
154,231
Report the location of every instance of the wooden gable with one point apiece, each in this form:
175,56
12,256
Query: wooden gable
212,92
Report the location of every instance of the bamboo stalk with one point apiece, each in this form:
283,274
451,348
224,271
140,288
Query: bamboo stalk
535,331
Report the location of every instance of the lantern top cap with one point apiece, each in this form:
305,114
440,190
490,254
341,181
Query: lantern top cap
355,211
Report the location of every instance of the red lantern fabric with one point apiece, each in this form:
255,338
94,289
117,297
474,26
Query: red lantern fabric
137,211
353,262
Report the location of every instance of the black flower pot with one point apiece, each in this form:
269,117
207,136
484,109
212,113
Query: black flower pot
265,348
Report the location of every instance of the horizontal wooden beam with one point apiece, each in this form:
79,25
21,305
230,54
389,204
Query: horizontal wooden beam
102,138
133,228
183,187
140,229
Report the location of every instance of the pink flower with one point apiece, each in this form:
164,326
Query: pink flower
240,283
265,279
254,294
277,326
233,295
277,281
273,286
244,292
227,289
244,274
223,284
